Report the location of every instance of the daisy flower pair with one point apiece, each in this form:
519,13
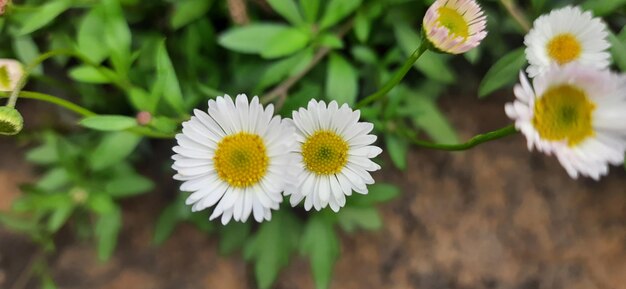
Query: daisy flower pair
576,107
243,159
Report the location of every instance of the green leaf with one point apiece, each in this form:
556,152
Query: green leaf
233,236
188,11
166,75
114,148
107,228
253,38
331,41
271,247
429,118
117,35
321,244
310,9
341,80
43,15
26,50
431,64
58,218
378,193
89,74
101,204
166,224
603,7
503,72
108,122
140,99
287,9
54,179
280,69
336,10
46,153
354,218
129,185
89,38
397,149
618,50
362,26
364,54
285,43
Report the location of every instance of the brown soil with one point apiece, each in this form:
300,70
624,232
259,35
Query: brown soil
493,217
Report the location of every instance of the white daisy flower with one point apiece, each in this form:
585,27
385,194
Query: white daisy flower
10,73
236,156
333,153
576,113
566,35
455,26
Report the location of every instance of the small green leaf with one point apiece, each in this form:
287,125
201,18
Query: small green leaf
107,228
89,38
378,193
117,35
618,49
166,224
26,50
285,43
310,9
397,149
336,10
58,218
114,148
354,218
321,244
166,75
54,179
364,54
341,80
43,15
89,74
429,118
101,204
140,99
128,185
108,122
233,236
287,9
271,247
187,11
503,72
253,38
603,7
331,41
46,153
280,69
362,26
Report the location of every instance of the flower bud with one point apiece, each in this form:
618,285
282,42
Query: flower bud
11,121
10,73
143,118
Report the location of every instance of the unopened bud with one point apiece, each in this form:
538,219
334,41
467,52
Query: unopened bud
143,118
11,121
3,6
79,195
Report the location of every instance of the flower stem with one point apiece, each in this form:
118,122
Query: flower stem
397,77
474,141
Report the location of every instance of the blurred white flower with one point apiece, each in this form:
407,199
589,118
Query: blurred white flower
566,35
10,73
575,112
455,26
333,154
236,156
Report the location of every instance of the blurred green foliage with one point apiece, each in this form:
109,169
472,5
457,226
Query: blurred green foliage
167,57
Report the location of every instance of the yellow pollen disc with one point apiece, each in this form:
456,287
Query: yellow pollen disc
325,153
241,159
454,21
564,113
564,48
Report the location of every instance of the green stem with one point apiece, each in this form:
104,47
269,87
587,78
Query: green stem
84,112
476,140
54,100
397,77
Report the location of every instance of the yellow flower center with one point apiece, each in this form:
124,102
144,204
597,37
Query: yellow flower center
454,21
241,160
325,153
564,48
5,79
564,113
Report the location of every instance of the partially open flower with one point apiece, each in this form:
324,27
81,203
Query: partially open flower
567,35
575,112
10,73
3,6
454,26
11,121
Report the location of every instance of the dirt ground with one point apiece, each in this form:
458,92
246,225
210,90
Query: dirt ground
493,217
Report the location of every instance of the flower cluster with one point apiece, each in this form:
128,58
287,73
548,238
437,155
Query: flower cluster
243,159
575,107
